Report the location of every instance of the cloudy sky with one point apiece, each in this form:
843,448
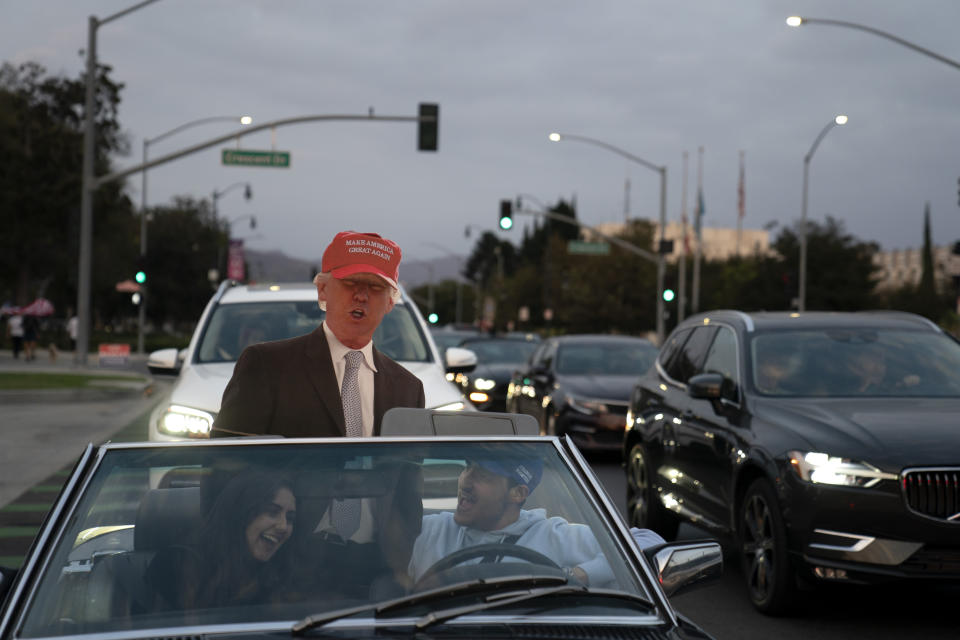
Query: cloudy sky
655,79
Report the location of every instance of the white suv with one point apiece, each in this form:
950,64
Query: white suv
239,315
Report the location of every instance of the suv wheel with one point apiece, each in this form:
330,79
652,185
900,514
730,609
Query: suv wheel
644,509
763,545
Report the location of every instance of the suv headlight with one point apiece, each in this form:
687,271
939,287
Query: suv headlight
822,468
484,384
178,420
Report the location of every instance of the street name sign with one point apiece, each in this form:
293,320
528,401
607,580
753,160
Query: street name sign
245,158
588,248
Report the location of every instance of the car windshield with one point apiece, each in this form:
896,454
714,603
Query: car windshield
503,351
614,359
446,339
233,327
855,362
240,532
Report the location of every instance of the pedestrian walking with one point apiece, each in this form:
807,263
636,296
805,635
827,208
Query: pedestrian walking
15,333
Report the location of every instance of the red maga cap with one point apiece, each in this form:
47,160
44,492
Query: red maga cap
351,252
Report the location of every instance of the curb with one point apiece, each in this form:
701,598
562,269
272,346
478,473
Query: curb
107,390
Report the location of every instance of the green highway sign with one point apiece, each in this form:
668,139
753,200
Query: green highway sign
245,158
588,248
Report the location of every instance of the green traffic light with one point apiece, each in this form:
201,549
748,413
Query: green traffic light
433,318
141,277
668,295
506,223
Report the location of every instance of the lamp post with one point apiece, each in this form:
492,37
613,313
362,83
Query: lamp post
84,268
796,21
661,258
141,320
216,195
802,290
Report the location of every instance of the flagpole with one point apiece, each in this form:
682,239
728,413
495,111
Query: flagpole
685,250
741,204
695,303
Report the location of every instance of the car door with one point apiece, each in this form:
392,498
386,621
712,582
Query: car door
681,432
542,379
707,435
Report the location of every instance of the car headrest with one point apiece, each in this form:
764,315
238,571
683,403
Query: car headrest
167,517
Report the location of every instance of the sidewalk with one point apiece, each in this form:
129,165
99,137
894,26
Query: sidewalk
65,362
139,382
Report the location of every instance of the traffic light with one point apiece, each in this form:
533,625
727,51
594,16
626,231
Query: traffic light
427,130
506,214
141,274
433,318
668,295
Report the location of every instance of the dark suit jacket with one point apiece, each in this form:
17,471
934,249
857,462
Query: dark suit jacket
289,388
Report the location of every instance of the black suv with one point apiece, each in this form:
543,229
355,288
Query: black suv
825,445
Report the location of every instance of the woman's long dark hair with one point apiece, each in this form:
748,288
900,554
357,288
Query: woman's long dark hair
228,573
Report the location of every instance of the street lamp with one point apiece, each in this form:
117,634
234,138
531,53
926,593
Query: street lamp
216,195
661,258
243,120
796,21
802,292
85,266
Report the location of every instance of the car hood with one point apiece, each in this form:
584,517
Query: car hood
437,389
890,432
201,386
601,387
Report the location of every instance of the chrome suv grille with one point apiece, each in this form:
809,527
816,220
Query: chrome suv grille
933,492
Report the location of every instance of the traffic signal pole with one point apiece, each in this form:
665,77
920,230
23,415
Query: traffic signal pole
92,183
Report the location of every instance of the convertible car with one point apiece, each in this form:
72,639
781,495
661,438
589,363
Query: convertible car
239,536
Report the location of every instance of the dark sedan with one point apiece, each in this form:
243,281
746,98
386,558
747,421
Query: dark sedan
579,385
826,445
497,360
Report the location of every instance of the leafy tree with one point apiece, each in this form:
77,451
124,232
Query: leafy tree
843,277
41,140
183,245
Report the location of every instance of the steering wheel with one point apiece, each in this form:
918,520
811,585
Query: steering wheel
505,549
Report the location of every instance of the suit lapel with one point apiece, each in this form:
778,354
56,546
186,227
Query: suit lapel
323,377
381,391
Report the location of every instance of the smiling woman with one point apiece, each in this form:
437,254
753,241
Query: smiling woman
240,556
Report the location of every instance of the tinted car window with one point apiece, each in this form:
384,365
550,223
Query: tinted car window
689,359
672,347
844,362
722,358
493,350
233,327
605,359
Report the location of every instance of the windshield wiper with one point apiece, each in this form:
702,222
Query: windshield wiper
441,593
513,597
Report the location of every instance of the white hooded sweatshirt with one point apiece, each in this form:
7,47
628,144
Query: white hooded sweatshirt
569,545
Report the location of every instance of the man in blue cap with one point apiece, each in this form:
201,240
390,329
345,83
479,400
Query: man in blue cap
490,497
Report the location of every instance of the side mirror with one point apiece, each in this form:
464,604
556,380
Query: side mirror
684,566
708,386
459,360
165,362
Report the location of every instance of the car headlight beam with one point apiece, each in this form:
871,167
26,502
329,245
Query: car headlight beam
822,468
484,384
178,420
